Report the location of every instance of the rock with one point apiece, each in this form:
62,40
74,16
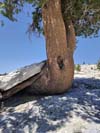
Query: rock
14,78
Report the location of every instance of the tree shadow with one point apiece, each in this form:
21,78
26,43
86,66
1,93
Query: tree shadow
25,113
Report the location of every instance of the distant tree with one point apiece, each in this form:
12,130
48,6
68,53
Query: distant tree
62,21
83,63
98,64
78,67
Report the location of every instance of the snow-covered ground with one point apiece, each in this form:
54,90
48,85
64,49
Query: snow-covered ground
88,71
76,111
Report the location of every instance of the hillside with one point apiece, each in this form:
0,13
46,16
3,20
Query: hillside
76,111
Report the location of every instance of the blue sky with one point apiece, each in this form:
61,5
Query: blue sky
17,50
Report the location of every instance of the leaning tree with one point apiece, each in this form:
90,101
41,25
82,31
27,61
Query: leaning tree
60,21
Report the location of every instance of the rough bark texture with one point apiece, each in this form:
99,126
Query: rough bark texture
70,32
57,74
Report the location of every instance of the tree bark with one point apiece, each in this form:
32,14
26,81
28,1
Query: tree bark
70,33
58,73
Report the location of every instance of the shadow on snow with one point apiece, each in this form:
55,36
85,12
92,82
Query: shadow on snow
47,113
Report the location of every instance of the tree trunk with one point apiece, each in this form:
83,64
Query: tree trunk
71,40
58,73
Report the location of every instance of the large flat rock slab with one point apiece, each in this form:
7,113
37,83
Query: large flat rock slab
16,77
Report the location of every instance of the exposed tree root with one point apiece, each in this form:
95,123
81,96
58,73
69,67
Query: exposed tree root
41,83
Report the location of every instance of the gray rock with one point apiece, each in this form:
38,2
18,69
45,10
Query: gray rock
13,78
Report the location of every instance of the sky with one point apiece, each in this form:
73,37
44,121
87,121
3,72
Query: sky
18,50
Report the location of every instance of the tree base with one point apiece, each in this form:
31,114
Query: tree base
40,84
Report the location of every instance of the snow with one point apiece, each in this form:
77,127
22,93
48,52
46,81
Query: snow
13,78
76,111
88,71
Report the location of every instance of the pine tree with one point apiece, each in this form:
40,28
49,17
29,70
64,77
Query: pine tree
63,20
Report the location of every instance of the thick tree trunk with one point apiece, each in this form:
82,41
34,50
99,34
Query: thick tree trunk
60,61
57,74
